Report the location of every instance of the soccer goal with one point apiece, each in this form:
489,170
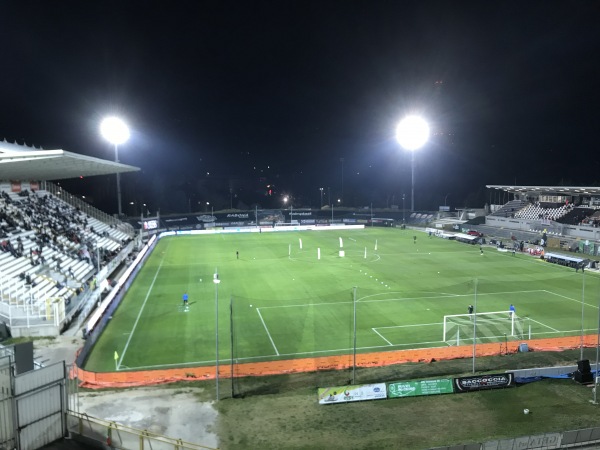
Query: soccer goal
488,325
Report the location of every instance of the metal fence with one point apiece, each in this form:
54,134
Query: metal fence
545,441
117,436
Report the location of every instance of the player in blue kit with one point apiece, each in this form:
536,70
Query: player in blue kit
185,299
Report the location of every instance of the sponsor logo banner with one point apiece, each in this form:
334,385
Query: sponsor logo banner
345,394
420,387
491,381
206,218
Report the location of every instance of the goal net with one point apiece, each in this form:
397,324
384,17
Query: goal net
489,326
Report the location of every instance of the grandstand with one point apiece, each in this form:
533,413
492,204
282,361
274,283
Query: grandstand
570,216
56,252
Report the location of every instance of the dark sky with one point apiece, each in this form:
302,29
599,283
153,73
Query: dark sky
226,97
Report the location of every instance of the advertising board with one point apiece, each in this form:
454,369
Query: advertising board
356,393
480,382
420,387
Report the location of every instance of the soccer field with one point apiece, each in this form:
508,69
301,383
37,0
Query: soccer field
280,301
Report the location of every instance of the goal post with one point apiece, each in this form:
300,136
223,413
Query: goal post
491,325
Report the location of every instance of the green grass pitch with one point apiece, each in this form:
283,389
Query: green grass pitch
279,301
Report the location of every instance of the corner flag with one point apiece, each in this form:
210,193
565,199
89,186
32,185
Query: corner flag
116,355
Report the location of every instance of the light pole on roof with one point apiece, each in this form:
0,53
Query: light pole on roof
115,131
412,133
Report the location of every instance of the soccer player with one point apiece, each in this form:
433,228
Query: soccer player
470,309
237,254
185,299
511,311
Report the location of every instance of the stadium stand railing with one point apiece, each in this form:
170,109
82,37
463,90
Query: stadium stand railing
87,208
510,208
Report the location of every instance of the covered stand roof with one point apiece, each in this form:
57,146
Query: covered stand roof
19,162
565,190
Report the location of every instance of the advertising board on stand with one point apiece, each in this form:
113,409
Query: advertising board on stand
400,389
357,393
480,382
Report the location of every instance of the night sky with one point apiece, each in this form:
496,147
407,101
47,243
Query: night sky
225,98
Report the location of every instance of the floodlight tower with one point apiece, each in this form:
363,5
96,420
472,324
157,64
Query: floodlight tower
412,133
115,131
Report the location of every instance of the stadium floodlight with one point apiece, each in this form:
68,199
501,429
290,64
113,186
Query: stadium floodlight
412,133
115,131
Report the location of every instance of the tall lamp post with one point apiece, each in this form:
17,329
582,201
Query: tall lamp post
403,210
321,204
412,133
217,281
115,131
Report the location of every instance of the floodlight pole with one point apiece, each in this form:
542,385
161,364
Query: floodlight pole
412,188
412,133
403,210
118,182
217,281
231,340
582,308
595,400
354,326
115,131
475,326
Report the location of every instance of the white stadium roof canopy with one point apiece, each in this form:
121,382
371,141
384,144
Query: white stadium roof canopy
18,162
564,190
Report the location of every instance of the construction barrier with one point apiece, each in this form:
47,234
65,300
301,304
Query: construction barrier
96,380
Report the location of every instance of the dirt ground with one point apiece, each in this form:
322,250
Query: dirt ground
176,412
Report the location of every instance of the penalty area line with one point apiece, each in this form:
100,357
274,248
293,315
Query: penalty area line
267,330
381,336
543,324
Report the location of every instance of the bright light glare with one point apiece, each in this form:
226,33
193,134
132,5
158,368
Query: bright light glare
114,130
412,132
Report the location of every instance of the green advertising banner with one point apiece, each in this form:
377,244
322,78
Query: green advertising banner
420,387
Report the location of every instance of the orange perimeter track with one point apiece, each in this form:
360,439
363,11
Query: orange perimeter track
97,380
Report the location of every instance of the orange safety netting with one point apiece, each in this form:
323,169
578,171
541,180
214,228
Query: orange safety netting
97,380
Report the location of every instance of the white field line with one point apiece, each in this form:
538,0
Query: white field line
381,336
544,325
440,344
254,358
373,257
267,330
413,344
441,297
139,315
572,299
415,325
